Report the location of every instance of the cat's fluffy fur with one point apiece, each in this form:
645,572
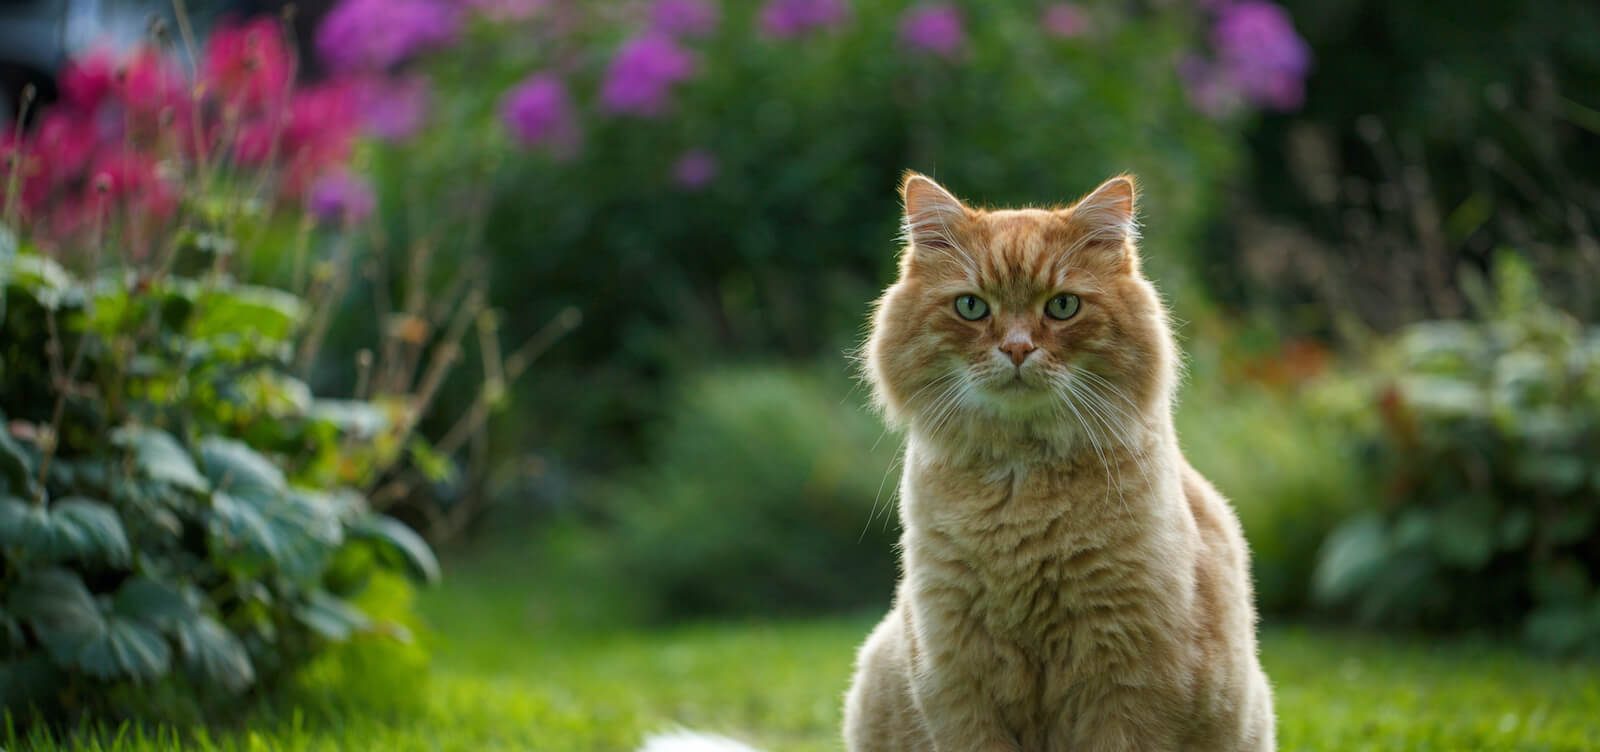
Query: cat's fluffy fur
1069,581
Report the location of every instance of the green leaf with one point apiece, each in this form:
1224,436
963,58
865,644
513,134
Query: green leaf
159,457
94,529
1464,531
156,603
260,313
330,617
235,468
351,417
78,633
396,539
1353,554
255,512
15,468
60,610
128,649
74,529
215,654
28,680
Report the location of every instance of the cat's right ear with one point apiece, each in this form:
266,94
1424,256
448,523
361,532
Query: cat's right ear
932,214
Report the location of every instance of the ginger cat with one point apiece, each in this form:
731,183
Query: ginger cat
1069,582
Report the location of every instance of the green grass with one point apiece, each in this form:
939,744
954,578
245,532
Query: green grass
522,662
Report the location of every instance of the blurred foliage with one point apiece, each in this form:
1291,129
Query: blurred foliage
1484,437
180,518
1287,469
768,494
778,254
1432,135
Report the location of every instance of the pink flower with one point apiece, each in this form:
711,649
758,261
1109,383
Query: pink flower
375,35
642,75
787,19
689,18
1066,20
695,169
1260,53
247,65
935,29
340,197
538,112
394,109
87,81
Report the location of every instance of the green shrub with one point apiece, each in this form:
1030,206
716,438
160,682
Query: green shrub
180,518
1485,437
769,491
1286,468
779,253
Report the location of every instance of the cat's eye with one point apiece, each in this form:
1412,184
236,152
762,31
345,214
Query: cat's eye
1062,307
971,307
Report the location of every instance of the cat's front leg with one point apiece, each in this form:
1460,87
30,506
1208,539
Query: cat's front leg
958,714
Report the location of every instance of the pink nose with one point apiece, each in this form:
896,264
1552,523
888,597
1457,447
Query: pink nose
1018,351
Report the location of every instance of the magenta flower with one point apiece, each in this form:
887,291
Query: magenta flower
642,75
394,109
375,35
787,19
687,18
1066,20
248,65
695,169
538,112
1260,54
934,29
87,81
340,197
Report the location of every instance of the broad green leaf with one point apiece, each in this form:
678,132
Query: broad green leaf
260,313
235,468
1464,531
1352,555
70,529
79,633
156,603
396,539
128,649
351,417
255,512
330,617
159,457
94,529
46,280
215,654
61,611
16,469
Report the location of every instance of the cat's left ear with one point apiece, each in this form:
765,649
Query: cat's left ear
1106,219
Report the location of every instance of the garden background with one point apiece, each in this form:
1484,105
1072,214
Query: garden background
301,300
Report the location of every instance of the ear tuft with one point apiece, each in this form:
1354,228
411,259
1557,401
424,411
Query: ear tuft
1107,213
931,212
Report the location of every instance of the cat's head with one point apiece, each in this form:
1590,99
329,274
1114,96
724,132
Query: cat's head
1030,325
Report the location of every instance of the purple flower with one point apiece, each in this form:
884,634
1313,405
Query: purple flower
787,19
375,35
538,112
340,197
642,75
1066,20
1207,90
1260,54
395,108
695,169
934,29
688,18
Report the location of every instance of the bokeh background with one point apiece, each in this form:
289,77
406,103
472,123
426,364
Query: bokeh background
639,239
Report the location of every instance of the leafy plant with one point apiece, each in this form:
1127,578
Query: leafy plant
768,494
175,506
1485,437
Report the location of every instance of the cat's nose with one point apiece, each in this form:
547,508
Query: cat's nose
1018,350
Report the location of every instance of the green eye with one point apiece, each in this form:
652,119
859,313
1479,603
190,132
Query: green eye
971,307
1062,307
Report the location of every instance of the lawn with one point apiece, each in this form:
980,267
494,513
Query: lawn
521,662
